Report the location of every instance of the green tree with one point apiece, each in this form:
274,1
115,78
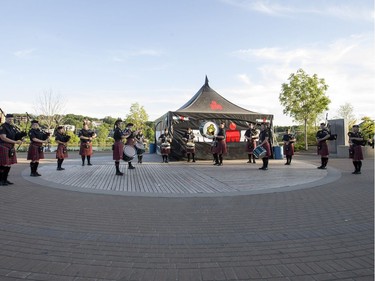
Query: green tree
304,98
367,128
137,115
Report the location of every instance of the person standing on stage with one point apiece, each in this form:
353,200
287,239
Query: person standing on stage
264,142
220,146
356,141
165,147
85,148
252,137
322,147
36,148
189,144
130,140
7,151
289,141
62,142
118,146
141,140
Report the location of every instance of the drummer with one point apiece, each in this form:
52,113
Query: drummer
264,142
130,140
190,146
165,147
118,146
140,139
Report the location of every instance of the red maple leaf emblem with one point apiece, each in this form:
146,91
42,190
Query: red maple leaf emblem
215,106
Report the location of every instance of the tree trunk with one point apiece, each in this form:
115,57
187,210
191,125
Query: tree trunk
306,144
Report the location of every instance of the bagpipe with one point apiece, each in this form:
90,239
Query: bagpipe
356,142
331,136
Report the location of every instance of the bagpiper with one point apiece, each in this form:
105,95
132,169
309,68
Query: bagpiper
8,156
36,149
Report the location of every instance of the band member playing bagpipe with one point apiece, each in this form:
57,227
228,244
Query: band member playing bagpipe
85,149
220,145
118,146
189,144
322,136
62,142
356,141
139,145
36,148
165,146
9,137
264,141
130,141
252,137
289,141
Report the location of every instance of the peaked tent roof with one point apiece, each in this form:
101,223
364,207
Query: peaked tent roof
206,100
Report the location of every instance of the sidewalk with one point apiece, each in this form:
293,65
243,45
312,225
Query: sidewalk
322,232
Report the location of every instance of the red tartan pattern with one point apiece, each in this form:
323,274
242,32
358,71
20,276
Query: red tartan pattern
165,151
61,152
323,151
33,153
220,148
288,149
250,146
267,147
357,153
5,160
85,149
118,150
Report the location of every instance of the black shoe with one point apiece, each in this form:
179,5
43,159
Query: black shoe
4,183
193,161
248,161
8,182
33,175
119,174
356,172
320,167
83,164
89,164
60,169
261,168
264,168
37,174
216,164
131,167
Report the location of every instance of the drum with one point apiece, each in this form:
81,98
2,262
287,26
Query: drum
129,153
208,129
259,152
165,148
140,148
190,147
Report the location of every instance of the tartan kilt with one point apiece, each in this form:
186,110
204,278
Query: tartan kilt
61,152
357,154
250,146
190,149
220,148
118,150
289,149
5,160
267,147
85,149
322,148
34,154
165,151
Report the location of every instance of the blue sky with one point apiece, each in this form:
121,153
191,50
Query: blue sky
102,56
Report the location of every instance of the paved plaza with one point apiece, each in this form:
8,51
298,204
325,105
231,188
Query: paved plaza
188,221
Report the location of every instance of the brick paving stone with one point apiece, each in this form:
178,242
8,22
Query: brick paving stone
322,232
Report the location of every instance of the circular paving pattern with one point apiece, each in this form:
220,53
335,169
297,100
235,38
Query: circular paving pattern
181,179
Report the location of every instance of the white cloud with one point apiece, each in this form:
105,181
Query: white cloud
24,54
123,55
347,65
355,11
